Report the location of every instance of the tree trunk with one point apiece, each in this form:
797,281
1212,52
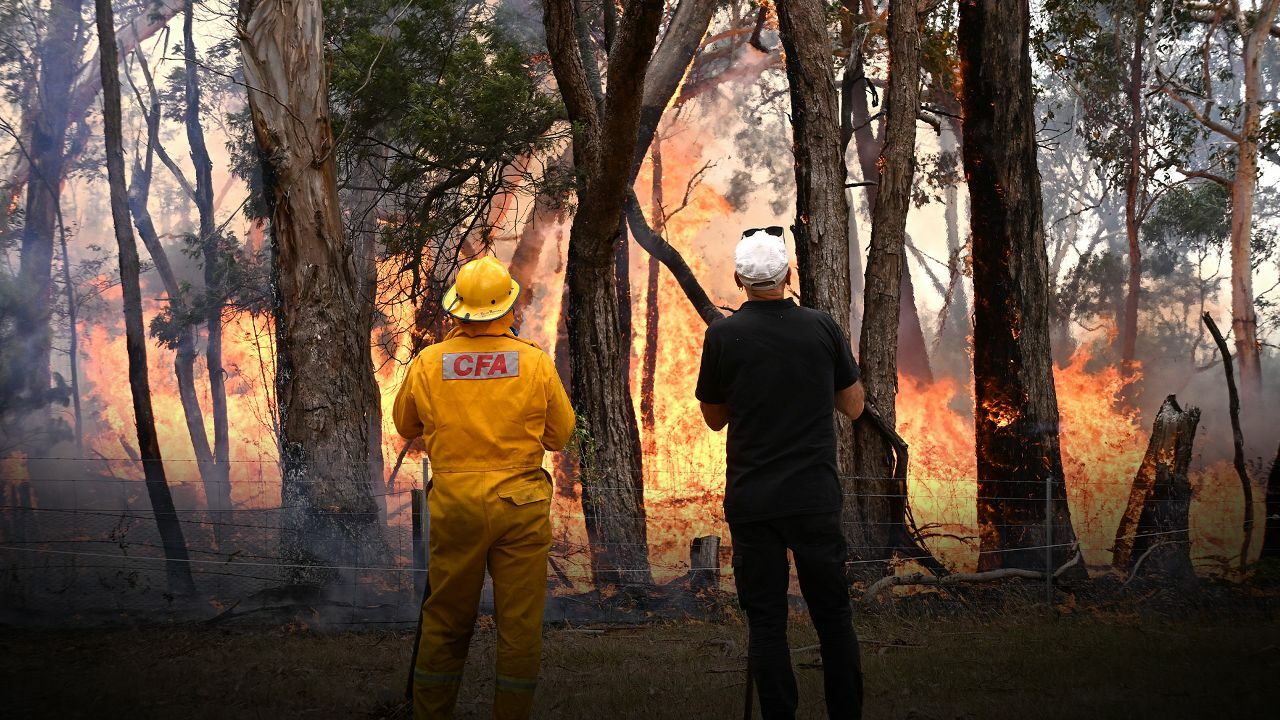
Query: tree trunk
604,144
671,60
73,336
1153,529
1244,317
1237,439
913,352
652,305
185,342
1133,174
177,566
857,288
858,125
322,347
362,227
150,19
622,280
821,227
58,52
214,300
951,342
821,230
1016,408
547,215
876,500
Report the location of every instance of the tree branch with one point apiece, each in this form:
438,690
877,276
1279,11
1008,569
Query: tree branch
884,584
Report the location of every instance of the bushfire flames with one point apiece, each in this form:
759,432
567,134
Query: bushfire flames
1102,439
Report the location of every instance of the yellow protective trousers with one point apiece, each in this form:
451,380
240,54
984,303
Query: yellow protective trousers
499,520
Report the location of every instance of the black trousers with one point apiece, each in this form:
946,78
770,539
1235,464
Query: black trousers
762,574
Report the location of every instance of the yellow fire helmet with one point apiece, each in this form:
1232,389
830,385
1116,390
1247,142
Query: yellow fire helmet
483,291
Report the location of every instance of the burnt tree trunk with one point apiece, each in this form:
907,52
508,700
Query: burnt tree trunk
218,492
603,148
177,565
913,351
322,349
1153,530
58,54
876,501
1016,408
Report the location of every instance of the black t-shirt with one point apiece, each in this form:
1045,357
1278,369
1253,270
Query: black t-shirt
778,367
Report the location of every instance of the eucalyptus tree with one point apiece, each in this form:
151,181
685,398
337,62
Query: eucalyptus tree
1218,81
1023,518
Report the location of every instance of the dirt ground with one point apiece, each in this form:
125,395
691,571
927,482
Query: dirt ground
1038,664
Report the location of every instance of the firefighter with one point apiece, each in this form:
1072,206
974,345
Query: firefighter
487,405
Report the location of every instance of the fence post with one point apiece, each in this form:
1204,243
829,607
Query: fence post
704,563
421,530
1048,539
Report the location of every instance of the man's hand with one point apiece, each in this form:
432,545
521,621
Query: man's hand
717,416
849,401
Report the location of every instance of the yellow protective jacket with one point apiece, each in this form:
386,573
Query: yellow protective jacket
484,400
488,405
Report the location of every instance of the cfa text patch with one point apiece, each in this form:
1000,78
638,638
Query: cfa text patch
481,365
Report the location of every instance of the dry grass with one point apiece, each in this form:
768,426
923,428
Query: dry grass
1034,664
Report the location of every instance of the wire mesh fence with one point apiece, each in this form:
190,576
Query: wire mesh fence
79,542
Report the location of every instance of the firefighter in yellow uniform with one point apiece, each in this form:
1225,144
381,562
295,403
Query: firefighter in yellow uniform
487,404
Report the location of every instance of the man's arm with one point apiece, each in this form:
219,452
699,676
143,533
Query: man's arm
850,400
405,411
717,416
710,391
558,428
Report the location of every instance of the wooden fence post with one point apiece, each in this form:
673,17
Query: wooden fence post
704,563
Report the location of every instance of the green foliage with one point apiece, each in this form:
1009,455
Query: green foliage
443,93
1193,219
1089,47
240,285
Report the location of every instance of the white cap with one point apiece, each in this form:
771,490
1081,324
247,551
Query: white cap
761,258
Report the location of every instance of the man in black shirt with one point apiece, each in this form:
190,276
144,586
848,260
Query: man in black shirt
774,372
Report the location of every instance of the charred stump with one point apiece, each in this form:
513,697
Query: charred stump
1153,538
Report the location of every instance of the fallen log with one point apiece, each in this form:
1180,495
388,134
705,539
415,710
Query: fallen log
884,584
1152,536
